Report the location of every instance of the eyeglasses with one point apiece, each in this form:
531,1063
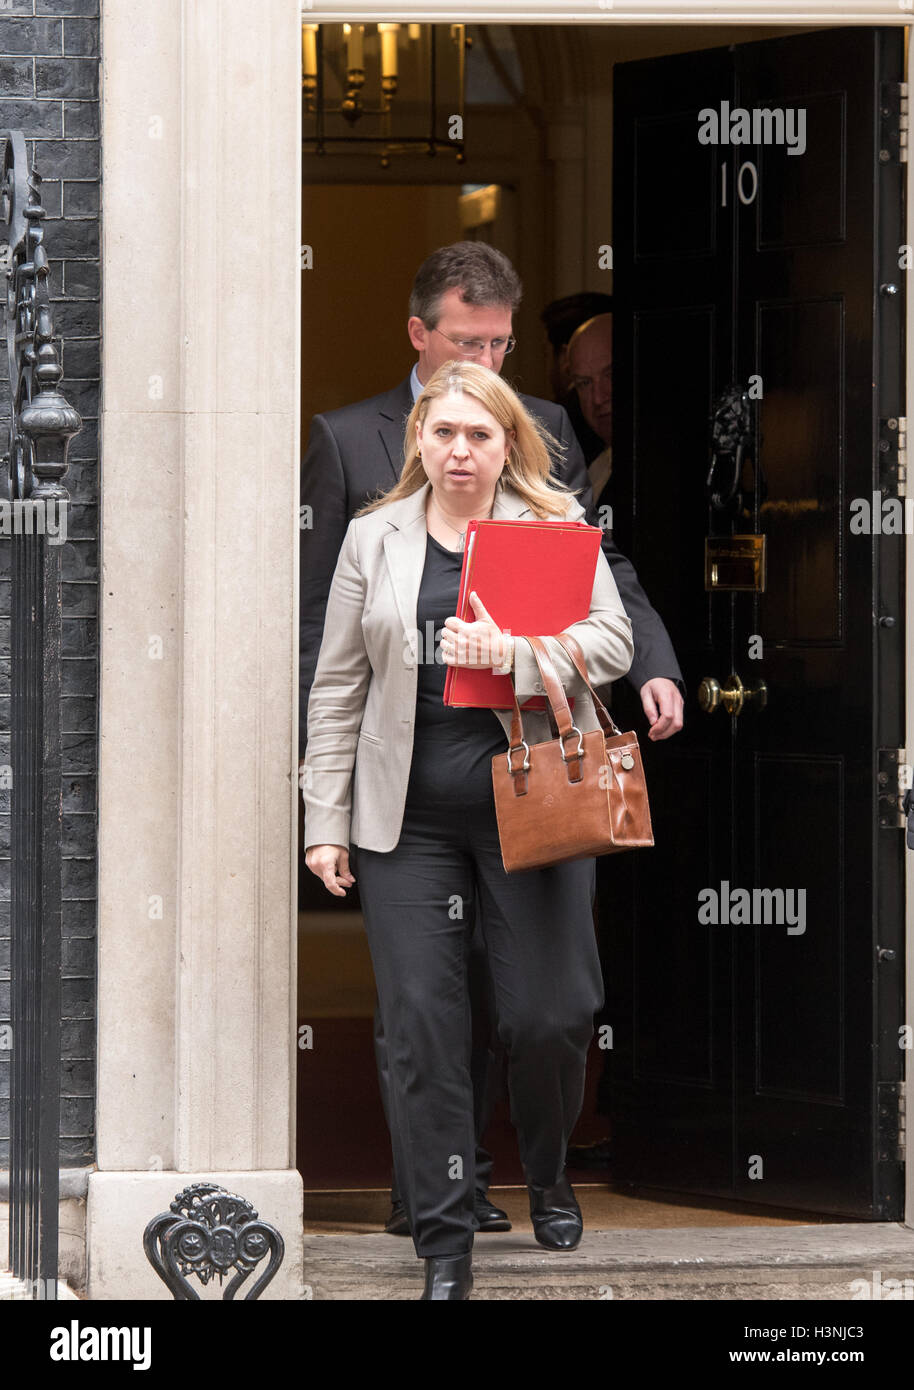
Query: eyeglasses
475,347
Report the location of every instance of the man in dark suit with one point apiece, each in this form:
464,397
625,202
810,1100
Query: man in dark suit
461,306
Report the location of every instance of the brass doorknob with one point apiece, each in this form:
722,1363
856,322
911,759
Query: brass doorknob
709,694
734,696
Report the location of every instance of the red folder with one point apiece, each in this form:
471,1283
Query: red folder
533,577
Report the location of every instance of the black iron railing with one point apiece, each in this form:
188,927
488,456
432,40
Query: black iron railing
34,515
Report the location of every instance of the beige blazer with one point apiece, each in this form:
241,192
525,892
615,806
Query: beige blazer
362,706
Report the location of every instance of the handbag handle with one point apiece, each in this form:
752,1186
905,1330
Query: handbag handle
573,648
558,705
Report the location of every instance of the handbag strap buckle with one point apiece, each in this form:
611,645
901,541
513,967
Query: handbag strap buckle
525,766
579,751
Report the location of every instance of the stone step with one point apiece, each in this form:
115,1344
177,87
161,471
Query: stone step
849,1261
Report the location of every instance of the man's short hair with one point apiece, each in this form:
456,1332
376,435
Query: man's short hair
485,278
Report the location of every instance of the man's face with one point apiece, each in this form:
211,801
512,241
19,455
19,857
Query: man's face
464,322
590,359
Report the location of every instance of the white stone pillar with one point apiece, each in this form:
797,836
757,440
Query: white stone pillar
200,440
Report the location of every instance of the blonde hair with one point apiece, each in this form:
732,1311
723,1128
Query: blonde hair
528,466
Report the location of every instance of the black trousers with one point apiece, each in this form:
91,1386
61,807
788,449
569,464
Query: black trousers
487,1054
545,970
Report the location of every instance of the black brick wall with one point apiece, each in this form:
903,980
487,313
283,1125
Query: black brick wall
49,74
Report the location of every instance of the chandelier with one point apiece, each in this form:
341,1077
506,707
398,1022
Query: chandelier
400,87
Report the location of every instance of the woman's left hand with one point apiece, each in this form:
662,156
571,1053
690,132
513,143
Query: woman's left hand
480,643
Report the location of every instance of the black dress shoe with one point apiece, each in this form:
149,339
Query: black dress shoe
556,1216
490,1218
448,1276
397,1224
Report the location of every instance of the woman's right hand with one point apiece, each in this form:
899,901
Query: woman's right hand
331,864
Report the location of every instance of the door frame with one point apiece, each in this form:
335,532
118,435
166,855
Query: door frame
876,13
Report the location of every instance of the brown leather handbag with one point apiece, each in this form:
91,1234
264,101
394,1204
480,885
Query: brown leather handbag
577,795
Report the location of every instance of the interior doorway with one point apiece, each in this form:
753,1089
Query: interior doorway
545,124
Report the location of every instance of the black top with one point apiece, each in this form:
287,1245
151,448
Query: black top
453,748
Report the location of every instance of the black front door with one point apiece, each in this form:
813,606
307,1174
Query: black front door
757,961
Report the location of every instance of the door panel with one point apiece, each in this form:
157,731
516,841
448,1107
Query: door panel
800,355
750,1057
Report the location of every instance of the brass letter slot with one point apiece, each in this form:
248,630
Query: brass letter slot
735,562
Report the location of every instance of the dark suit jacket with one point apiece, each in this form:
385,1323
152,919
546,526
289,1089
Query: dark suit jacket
357,450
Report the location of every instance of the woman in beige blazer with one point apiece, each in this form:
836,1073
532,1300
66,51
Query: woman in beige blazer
400,784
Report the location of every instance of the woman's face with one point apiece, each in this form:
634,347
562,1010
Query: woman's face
463,450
